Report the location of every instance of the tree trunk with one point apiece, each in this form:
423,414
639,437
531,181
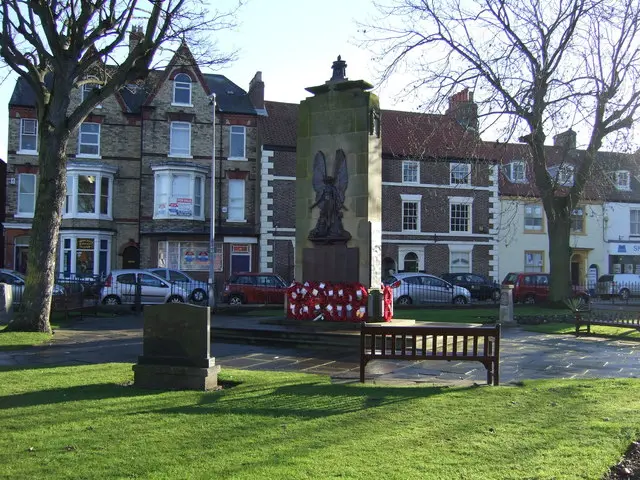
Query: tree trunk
41,263
559,258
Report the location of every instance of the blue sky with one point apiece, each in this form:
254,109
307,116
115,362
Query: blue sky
292,42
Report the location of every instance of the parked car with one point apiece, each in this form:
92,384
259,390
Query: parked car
120,288
197,288
481,287
250,287
17,282
623,285
416,288
529,287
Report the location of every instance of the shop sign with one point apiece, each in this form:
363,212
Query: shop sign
624,249
84,244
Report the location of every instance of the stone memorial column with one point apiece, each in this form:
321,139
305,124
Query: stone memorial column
339,183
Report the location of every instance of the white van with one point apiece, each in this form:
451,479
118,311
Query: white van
623,285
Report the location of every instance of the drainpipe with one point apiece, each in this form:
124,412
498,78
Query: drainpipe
140,184
219,216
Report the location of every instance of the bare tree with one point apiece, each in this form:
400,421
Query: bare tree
56,46
538,67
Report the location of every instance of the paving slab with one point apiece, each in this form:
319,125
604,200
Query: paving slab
524,355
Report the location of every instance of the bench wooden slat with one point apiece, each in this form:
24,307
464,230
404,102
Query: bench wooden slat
587,320
438,350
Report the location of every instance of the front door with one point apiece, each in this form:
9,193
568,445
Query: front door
240,263
22,253
131,257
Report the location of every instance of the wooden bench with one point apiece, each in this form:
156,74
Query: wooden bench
459,343
621,319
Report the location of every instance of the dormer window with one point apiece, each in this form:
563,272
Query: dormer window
565,175
516,172
182,89
562,174
87,88
623,180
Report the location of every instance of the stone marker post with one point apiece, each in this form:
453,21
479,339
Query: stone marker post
176,344
506,305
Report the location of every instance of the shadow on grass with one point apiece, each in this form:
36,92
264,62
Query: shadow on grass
71,394
306,400
610,333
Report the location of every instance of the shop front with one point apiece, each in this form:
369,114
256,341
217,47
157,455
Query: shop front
624,257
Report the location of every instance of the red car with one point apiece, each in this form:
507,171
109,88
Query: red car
249,287
531,287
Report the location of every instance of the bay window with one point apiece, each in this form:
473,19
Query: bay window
89,191
84,253
179,191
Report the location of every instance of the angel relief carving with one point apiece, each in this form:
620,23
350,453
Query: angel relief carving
330,196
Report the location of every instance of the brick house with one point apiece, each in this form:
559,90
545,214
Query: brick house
139,175
439,191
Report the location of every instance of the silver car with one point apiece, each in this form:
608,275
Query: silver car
17,282
417,288
197,289
120,288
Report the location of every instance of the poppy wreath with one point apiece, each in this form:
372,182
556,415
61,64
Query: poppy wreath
387,302
337,302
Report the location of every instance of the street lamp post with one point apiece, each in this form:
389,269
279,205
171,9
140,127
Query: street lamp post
212,227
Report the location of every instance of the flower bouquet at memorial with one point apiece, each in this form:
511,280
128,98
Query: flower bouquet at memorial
337,302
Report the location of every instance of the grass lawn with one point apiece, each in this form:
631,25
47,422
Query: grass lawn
89,422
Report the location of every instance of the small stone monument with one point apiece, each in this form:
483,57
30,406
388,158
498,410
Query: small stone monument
506,305
175,353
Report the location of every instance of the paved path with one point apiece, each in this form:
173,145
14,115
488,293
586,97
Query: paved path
524,355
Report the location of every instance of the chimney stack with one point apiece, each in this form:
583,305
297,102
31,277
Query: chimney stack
464,110
135,36
565,140
256,91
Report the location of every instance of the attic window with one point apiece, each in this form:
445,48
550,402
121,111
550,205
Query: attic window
562,174
87,88
623,180
516,172
565,175
182,90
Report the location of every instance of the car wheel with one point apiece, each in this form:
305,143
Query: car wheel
495,296
111,300
235,300
530,299
625,294
459,300
175,299
199,295
404,300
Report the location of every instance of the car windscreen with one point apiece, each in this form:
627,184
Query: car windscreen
606,278
510,279
389,280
